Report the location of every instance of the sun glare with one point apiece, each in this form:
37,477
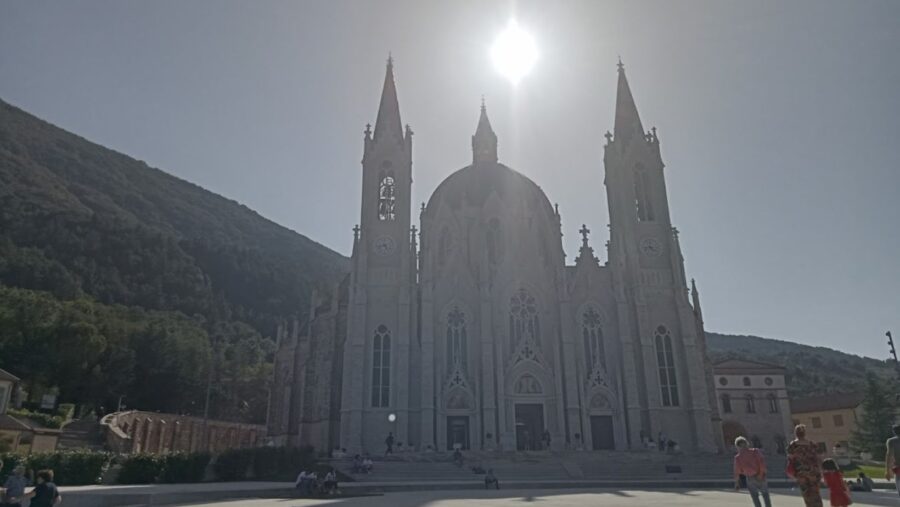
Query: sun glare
514,52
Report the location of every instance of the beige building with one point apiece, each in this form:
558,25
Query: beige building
472,330
17,435
753,403
830,420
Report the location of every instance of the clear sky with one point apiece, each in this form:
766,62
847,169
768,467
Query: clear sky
778,122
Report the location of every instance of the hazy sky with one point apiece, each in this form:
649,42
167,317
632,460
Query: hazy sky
778,121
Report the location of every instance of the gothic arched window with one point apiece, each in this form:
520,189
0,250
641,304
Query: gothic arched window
494,239
594,353
773,404
456,339
381,368
726,404
665,359
387,198
642,201
751,404
523,319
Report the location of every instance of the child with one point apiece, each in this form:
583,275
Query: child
840,493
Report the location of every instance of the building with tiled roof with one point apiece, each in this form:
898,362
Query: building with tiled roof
830,420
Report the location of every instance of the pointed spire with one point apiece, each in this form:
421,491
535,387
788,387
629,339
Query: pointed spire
695,297
628,123
484,142
388,121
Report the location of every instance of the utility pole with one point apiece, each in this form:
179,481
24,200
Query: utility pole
893,352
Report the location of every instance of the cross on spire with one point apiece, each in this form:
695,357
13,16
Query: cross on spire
584,234
356,232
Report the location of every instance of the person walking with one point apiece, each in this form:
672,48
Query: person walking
14,487
892,458
807,471
389,443
839,492
44,494
750,463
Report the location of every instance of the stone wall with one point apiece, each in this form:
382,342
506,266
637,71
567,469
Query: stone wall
150,432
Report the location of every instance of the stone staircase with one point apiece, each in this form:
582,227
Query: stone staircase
551,466
82,434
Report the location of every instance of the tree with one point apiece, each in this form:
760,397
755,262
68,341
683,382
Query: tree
879,407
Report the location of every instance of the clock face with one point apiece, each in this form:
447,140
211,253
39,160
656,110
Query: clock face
383,245
651,247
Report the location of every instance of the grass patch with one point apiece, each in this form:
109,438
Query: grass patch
873,471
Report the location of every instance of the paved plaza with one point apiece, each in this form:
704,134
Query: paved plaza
556,498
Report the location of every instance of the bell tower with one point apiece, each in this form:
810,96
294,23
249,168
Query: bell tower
375,396
661,339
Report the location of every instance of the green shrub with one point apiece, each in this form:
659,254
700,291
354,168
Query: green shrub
70,468
46,420
66,411
233,464
10,460
141,469
184,467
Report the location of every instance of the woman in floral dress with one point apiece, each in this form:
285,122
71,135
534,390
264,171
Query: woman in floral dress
807,467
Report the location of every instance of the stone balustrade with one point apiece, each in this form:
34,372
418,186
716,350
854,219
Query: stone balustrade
151,432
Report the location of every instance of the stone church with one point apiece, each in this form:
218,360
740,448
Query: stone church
473,332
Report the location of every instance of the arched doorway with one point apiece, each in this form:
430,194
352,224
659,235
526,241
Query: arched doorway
731,430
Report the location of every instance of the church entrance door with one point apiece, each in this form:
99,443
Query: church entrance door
457,432
602,432
529,426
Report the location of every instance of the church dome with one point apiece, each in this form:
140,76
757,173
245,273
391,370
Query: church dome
472,185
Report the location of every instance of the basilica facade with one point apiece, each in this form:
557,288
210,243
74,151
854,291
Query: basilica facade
472,331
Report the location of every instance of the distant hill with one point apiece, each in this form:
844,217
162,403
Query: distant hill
120,279
76,217
810,370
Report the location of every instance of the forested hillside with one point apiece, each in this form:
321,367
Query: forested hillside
122,251
810,370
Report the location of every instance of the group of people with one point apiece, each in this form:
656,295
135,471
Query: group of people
43,494
362,464
809,471
310,483
662,443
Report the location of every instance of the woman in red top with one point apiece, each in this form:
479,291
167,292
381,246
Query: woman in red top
840,494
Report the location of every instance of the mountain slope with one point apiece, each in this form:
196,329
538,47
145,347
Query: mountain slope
810,370
76,217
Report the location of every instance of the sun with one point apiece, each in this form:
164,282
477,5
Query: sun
514,52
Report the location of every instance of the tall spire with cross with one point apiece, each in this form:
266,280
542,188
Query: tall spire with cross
628,122
484,142
388,123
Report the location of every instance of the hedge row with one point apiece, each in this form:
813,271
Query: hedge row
170,468
73,468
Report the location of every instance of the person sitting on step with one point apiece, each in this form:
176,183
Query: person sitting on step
491,480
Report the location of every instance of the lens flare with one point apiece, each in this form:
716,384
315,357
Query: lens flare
514,52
